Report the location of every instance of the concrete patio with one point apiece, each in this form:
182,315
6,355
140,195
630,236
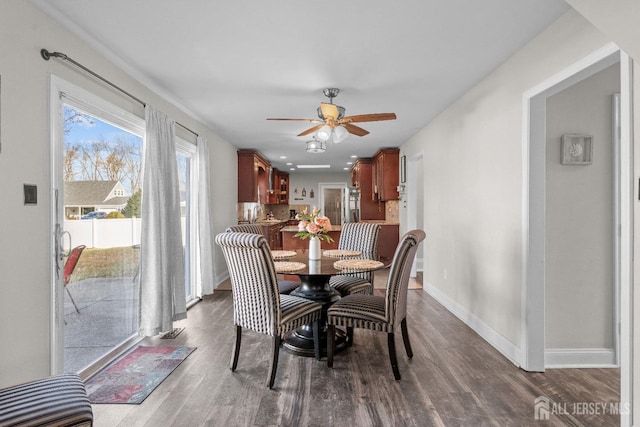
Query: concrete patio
108,315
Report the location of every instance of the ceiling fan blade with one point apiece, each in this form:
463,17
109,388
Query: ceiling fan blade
301,120
329,111
355,129
368,118
311,130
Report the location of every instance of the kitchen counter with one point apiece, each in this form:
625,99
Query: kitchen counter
387,240
291,243
294,228
379,221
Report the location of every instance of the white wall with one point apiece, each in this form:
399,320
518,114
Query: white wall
309,181
579,215
26,261
473,178
619,21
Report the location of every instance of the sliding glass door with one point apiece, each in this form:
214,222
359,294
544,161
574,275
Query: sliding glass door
97,175
101,205
185,156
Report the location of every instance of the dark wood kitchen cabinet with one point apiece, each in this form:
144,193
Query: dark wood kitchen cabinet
385,175
273,235
361,176
388,240
279,191
253,177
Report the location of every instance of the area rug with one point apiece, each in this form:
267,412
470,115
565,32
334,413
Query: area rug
134,376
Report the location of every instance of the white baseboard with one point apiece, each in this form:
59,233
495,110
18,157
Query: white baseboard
494,338
220,278
556,358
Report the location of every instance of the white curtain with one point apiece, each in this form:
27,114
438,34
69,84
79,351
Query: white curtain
205,238
162,294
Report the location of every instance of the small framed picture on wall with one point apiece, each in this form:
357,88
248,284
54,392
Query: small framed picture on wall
577,149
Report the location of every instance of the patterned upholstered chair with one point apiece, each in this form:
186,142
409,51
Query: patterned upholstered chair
363,237
257,304
379,313
245,228
58,401
285,286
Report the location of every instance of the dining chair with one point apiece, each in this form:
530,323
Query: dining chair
284,286
257,304
379,313
69,266
245,228
363,237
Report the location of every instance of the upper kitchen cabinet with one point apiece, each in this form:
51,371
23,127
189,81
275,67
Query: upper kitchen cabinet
283,183
278,187
385,171
253,177
361,178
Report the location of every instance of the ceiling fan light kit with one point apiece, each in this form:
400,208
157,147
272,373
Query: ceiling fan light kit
324,133
316,146
333,125
339,134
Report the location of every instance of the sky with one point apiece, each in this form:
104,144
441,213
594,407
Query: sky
84,133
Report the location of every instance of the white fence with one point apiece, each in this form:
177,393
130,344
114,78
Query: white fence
103,233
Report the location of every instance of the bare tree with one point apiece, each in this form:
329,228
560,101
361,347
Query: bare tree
73,117
116,159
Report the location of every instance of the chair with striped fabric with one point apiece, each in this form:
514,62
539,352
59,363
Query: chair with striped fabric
257,304
55,401
380,313
284,286
245,228
363,237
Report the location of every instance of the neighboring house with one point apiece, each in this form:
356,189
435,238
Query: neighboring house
82,197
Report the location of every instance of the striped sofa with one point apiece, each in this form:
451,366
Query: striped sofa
57,401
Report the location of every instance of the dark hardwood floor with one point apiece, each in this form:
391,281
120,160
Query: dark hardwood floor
454,379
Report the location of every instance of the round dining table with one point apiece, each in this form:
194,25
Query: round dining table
314,285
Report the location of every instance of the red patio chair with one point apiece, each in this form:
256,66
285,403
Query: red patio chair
69,266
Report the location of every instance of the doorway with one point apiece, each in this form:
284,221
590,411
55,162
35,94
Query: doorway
331,200
534,198
412,201
99,196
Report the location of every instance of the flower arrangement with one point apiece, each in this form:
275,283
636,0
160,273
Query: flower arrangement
313,225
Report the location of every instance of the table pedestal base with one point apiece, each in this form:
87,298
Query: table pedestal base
300,342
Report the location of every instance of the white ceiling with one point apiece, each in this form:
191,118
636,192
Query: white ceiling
232,64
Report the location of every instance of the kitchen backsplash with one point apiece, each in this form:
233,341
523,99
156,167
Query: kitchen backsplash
248,211
392,211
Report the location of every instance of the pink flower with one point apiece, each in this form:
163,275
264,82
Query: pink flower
323,222
302,225
313,228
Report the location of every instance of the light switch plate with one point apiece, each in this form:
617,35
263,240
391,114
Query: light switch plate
30,194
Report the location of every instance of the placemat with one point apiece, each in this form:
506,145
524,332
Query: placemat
340,253
357,264
282,254
288,266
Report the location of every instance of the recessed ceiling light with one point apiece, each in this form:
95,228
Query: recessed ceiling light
289,163
346,169
354,157
313,166
349,163
283,157
292,169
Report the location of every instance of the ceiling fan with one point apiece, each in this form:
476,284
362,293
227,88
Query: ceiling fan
333,123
